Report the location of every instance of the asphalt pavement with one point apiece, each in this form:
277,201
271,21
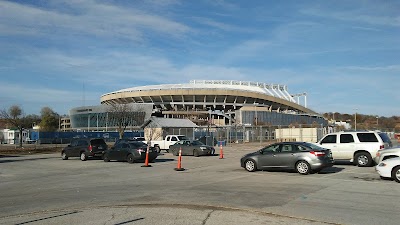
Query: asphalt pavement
43,189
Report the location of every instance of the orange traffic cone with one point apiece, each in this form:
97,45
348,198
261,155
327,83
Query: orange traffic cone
179,168
221,152
146,161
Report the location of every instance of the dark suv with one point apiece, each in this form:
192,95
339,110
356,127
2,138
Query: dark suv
84,148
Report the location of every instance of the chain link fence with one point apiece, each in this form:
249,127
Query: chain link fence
245,134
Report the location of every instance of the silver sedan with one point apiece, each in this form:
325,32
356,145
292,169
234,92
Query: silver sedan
303,157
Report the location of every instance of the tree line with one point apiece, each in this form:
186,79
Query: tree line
15,118
121,114
367,122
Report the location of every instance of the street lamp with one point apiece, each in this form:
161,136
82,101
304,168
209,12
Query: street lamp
355,120
377,122
255,110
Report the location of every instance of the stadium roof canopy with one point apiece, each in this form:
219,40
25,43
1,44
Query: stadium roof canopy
224,95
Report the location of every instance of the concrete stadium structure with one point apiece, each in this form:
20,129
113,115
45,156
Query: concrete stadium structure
101,118
221,101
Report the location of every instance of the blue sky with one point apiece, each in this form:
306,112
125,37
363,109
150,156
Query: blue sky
344,54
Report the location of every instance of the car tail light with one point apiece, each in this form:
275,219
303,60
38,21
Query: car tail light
317,153
382,147
90,148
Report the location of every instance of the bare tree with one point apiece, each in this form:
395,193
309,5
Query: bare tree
124,115
152,133
16,118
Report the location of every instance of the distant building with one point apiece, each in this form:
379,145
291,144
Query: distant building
65,124
99,118
345,125
161,127
11,136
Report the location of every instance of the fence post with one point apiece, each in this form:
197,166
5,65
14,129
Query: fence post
228,135
301,132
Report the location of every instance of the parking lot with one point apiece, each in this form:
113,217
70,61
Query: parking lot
43,189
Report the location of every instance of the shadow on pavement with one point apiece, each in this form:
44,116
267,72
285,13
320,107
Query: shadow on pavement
21,160
331,170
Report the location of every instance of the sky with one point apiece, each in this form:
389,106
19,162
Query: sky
63,54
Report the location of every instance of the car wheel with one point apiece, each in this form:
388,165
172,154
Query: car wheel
129,158
363,159
106,158
250,165
196,153
64,156
83,156
157,148
302,167
396,174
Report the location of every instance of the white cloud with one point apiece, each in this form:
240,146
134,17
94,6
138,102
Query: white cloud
89,17
369,13
387,68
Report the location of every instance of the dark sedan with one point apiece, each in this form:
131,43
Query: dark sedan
301,156
190,147
130,151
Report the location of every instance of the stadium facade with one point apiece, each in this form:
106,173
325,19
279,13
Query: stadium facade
102,118
221,102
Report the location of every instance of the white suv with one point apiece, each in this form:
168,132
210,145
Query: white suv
357,146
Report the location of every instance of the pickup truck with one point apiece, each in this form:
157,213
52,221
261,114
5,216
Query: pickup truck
169,140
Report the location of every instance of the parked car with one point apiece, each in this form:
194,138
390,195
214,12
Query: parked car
356,146
130,151
84,148
389,168
168,140
141,139
386,153
303,157
191,147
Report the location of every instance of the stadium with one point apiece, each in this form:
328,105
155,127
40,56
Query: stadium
221,102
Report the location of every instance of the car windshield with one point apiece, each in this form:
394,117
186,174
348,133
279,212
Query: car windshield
197,143
137,144
313,146
385,137
139,139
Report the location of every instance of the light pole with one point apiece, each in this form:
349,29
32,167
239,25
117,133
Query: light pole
355,120
255,110
377,122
